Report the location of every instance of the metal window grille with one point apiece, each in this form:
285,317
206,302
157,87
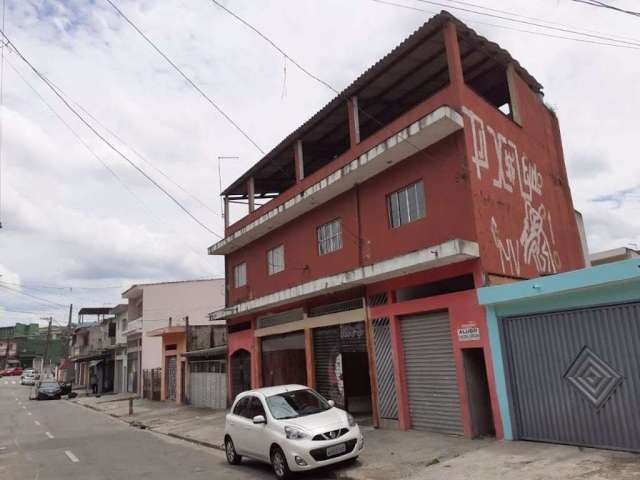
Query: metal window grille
377,299
275,260
240,275
406,205
330,237
208,366
344,306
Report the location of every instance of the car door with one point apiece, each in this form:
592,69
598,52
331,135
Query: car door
258,437
237,425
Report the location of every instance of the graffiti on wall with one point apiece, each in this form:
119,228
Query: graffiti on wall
518,175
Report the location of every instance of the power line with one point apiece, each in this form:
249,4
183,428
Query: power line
104,140
505,27
515,14
156,218
596,3
535,24
184,75
39,299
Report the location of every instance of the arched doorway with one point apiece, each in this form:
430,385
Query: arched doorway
240,372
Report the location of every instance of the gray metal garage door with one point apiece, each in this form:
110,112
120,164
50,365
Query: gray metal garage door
574,376
434,399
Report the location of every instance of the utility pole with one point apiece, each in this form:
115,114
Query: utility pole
46,346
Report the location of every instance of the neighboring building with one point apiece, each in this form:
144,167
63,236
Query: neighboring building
118,342
26,346
613,255
161,311
437,171
566,356
206,353
92,348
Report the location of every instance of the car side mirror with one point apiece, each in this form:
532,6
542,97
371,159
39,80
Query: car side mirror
259,419
331,403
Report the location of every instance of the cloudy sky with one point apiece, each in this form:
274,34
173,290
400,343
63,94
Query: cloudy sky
74,233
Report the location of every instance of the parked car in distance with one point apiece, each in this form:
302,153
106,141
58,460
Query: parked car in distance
13,372
48,390
292,427
28,377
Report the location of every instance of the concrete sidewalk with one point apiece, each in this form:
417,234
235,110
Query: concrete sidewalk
536,461
388,454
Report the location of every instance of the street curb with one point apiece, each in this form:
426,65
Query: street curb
142,426
193,440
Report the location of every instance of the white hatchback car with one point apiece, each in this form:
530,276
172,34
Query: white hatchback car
292,427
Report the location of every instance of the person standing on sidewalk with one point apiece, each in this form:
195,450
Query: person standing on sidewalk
93,380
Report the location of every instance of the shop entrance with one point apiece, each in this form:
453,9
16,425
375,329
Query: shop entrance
478,392
342,366
283,360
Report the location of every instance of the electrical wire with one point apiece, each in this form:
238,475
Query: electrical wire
515,14
527,22
118,179
505,27
34,297
596,3
186,78
105,140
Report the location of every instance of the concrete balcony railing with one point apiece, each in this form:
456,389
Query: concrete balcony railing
417,135
133,327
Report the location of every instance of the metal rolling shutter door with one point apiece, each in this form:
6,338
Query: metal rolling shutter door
326,347
434,399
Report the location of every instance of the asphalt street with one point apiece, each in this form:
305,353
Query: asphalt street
59,440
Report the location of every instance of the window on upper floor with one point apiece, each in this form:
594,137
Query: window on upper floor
406,205
275,260
240,275
330,237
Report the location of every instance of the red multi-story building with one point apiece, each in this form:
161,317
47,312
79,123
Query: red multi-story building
437,171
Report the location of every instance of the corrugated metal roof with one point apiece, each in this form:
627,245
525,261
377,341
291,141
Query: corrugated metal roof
426,30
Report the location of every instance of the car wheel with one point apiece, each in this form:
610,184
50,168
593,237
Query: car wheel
279,464
232,457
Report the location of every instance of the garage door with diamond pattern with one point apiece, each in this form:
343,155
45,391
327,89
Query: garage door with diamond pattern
575,376
434,399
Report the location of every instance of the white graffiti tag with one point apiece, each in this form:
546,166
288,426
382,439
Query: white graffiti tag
479,156
534,241
509,251
516,171
531,179
507,155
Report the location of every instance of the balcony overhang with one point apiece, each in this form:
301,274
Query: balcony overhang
422,133
161,332
452,251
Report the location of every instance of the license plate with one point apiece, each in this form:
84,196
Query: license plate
336,450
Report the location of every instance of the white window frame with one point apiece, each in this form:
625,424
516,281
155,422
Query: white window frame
406,205
240,275
275,260
329,237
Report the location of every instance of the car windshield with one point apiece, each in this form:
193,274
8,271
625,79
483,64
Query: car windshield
298,403
49,385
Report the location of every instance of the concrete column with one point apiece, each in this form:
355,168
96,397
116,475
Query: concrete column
354,121
251,194
397,353
310,357
226,212
454,62
298,159
513,94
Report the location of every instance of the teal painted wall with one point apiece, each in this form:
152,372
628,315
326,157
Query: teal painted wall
612,283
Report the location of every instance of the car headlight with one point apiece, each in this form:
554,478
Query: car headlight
293,433
352,421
